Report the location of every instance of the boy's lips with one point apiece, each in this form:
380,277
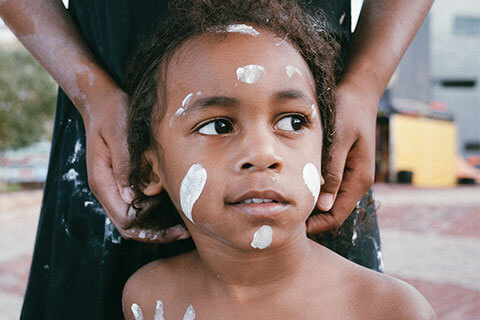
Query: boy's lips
260,203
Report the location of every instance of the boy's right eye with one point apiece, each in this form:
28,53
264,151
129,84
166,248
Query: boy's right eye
215,127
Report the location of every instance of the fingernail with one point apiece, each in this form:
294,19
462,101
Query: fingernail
325,201
128,195
183,236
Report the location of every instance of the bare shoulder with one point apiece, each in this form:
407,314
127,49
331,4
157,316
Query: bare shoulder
153,284
387,297
370,294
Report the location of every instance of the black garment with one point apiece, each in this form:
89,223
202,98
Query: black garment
80,262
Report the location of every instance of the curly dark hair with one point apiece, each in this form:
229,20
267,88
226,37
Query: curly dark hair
287,19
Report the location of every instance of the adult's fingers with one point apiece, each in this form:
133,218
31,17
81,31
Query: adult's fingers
333,177
104,186
357,179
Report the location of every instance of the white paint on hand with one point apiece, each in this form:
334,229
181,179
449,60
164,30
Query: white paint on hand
262,237
137,311
190,314
311,177
159,311
291,71
142,234
243,28
250,73
191,188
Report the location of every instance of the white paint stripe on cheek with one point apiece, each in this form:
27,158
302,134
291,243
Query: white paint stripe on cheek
137,311
191,188
190,314
159,311
250,73
242,28
312,179
262,238
291,71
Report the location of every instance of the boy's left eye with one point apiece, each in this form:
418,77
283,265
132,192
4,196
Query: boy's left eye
293,122
215,127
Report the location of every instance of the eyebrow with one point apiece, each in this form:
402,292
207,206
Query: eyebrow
291,94
224,101
204,103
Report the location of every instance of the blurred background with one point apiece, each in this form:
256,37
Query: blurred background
427,162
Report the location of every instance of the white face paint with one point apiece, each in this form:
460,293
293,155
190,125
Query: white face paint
183,109
190,314
312,180
291,71
242,28
262,238
137,311
159,311
314,110
186,100
250,73
191,188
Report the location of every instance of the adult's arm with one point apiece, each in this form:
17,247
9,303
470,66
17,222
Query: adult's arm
384,31
46,29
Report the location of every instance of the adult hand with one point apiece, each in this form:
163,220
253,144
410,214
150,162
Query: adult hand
351,171
107,167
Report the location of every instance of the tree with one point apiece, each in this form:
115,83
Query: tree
27,99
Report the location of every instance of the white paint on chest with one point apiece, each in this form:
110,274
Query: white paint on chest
250,73
242,28
137,311
190,314
159,311
311,178
291,71
191,188
262,238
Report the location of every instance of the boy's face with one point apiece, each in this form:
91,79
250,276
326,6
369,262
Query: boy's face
240,140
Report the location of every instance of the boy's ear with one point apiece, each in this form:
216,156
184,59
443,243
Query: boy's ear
154,185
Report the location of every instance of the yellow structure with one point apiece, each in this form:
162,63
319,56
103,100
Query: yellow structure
424,146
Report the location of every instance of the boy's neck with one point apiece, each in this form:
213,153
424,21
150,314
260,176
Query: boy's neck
243,275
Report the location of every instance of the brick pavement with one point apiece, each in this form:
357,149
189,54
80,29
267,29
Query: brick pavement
430,238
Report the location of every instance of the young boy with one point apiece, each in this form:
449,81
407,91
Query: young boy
231,118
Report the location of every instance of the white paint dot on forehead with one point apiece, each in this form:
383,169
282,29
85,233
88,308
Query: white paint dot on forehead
291,71
242,28
262,238
190,314
312,179
137,311
159,311
191,188
250,73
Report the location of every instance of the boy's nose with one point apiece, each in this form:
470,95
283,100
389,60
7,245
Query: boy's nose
258,152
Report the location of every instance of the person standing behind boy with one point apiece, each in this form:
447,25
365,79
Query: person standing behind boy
80,262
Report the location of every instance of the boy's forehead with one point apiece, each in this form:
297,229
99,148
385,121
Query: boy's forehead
215,55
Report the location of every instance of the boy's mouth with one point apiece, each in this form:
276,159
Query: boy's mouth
260,203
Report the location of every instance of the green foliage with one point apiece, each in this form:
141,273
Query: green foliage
27,99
